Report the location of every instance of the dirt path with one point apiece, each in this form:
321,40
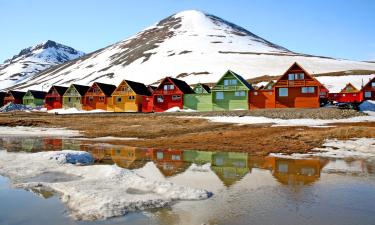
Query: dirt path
170,131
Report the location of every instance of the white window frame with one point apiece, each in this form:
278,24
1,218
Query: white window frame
159,98
285,94
176,97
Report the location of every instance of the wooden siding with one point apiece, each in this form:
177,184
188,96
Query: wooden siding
199,102
369,88
297,99
72,99
261,99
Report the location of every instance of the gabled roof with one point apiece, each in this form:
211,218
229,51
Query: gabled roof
238,77
269,85
204,87
81,89
138,88
60,90
181,85
349,85
107,89
37,94
151,87
295,64
17,94
369,83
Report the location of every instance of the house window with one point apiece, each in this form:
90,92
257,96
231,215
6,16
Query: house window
131,97
118,99
239,93
230,82
69,99
160,99
368,94
322,93
91,99
283,92
219,95
159,155
373,84
168,87
176,97
255,93
101,99
296,76
176,157
308,90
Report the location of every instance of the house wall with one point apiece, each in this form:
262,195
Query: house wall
72,102
168,103
349,97
371,89
53,102
95,103
230,101
297,99
260,99
33,102
199,102
147,104
126,104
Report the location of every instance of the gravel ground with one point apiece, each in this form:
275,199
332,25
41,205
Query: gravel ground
318,113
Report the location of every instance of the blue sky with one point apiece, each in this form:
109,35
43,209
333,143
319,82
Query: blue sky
343,29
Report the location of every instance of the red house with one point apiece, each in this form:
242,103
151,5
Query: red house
97,96
348,94
297,88
170,94
16,97
54,97
170,162
368,90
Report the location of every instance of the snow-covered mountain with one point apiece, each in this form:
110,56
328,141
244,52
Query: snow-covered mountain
21,67
190,45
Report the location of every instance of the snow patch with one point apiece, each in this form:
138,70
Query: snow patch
95,191
37,132
177,109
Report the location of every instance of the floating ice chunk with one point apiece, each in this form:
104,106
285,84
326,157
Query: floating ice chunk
94,191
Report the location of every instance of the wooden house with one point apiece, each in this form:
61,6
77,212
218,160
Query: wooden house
170,93
231,92
368,90
128,97
2,96
296,88
263,97
54,97
349,94
170,162
98,96
201,99
34,98
16,97
73,96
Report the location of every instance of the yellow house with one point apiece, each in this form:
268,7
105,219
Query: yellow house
128,97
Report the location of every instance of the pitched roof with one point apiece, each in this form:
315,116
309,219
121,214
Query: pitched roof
17,94
138,88
60,89
336,83
206,87
349,85
107,89
182,85
38,94
81,89
369,82
240,78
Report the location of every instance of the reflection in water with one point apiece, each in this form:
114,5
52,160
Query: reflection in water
230,167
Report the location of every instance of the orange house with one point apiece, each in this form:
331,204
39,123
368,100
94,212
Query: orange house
97,96
264,97
296,88
369,90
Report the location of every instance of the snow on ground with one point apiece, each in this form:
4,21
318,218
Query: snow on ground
75,111
288,122
177,109
94,191
37,132
367,106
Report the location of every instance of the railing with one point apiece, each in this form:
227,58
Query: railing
166,92
296,83
228,88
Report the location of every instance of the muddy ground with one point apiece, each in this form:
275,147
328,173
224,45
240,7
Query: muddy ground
165,130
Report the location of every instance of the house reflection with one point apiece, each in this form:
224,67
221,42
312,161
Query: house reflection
170,162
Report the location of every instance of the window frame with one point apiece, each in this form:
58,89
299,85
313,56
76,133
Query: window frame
221,94
283,95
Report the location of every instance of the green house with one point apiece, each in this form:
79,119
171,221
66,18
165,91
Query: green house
34,98
197,157
231,92
74,95
201,99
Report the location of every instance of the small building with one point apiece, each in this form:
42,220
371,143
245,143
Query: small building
34,98
368,90
349,94
2,96
73,96
98,96
128,97
231,92
54,97
16,97
201,100
170,93
263,97
296,88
